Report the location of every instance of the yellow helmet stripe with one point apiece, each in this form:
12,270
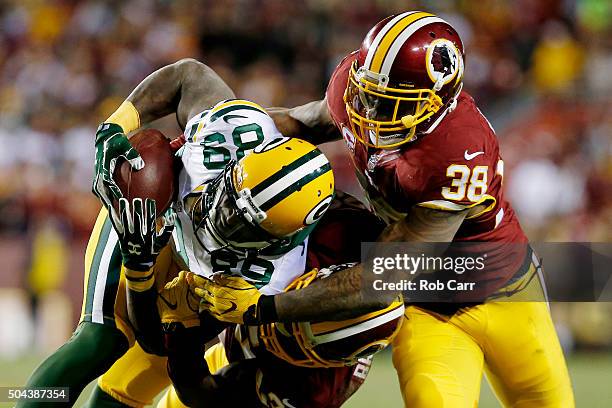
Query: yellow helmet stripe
361,326
401,39
376,41
389,38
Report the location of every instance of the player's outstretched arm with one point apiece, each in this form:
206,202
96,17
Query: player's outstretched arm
310,122
186,87
344,294
140,244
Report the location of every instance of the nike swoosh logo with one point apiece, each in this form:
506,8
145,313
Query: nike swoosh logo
190,295
226,118
172,306
231,308
470,156
288,404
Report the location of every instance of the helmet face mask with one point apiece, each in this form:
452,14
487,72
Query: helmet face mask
268,197
218,216
386,116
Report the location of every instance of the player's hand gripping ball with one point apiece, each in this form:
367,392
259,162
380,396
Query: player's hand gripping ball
111,145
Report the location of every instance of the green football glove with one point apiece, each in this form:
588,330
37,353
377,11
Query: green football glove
138,238
111,144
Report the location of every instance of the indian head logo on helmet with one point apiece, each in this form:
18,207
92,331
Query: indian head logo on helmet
408,73
443,62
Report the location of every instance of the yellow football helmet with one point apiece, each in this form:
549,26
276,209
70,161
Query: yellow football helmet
280,188
335,343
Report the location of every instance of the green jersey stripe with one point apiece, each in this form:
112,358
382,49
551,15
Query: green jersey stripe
194,128
180,242
292,188
223,111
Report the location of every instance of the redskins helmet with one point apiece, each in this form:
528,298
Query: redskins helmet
334,343
275,191
407,75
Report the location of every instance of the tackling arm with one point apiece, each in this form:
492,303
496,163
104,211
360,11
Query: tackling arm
144,316
311,122
343,294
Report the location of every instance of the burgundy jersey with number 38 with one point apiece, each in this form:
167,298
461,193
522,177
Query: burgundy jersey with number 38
454,166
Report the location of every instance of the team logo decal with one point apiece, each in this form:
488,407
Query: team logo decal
443,59
317,211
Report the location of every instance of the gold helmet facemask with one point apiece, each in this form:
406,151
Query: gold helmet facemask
384,116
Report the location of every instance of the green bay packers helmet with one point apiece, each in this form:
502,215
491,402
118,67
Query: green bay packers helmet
334,343
280,188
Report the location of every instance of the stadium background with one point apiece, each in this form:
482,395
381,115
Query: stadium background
540,70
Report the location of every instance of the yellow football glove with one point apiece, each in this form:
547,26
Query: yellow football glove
177,303
229,299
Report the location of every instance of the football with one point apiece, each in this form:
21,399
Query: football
156,180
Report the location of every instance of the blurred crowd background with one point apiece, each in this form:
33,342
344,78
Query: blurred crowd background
540,70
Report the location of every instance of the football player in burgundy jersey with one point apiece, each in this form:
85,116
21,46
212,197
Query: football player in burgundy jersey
258,363
429,163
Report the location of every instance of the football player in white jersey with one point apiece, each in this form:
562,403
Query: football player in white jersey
285,186
326,361
212,178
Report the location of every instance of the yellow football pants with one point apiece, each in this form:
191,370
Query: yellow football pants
215,358
440,360
138,377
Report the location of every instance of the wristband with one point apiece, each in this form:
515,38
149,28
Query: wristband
125,116
139,281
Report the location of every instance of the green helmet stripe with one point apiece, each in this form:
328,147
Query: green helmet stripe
295,186
284,171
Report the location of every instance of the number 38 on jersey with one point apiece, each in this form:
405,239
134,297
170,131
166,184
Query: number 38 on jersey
469,183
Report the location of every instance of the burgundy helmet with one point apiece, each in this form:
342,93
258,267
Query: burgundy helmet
408,73
332,343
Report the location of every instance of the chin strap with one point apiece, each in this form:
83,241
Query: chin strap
451,107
